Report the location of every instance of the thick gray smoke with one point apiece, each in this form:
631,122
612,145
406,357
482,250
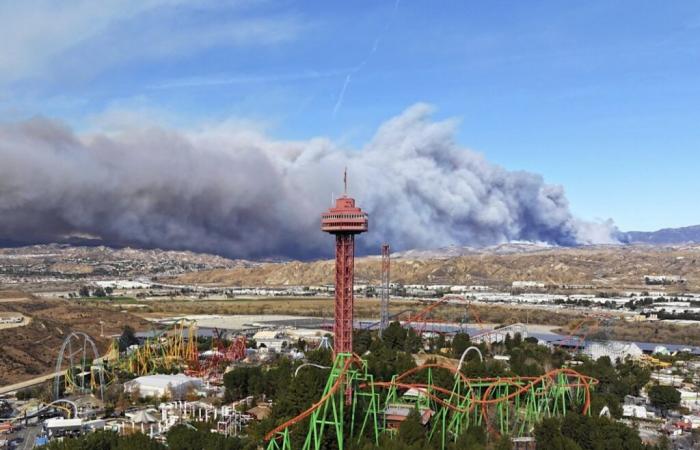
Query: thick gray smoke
238,193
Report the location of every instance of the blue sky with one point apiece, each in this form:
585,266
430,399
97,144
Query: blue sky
601,97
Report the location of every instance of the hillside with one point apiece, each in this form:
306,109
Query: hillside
31,350
603,266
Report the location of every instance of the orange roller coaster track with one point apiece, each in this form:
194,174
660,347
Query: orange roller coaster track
421,319
504,405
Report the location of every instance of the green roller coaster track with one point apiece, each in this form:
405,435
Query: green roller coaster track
353,405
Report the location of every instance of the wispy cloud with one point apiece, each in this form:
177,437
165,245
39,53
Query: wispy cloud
40,36
221,80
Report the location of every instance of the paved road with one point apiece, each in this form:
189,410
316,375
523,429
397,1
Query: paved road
27,435
28,383
30,434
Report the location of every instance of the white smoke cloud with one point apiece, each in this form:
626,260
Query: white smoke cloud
237,192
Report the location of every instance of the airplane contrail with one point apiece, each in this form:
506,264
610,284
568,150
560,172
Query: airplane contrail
357,68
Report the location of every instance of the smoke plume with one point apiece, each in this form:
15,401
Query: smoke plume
238,193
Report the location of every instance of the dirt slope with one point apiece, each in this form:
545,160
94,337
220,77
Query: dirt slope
32,350
605,267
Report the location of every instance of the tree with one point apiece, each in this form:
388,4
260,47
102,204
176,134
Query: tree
664,397
411,430
460,342
135,394
107,440
84,291
361,341
473,438
504,443
413,341
99,292
548,434
127,338
577,431
182,437
394,336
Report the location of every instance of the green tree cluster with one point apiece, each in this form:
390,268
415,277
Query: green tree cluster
184,437
614,382
664,397
581,432
107,440
396,337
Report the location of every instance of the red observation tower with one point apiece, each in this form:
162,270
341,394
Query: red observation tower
344,220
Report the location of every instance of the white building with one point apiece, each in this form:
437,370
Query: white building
528,285
173,386
690,399
61,425
636,412
613,349
271,339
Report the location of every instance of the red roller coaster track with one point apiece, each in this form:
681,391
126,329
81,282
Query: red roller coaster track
420,320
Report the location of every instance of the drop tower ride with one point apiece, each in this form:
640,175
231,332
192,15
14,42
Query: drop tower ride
344,220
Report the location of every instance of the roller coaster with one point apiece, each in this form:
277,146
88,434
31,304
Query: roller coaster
85,372
450,401
68,407
422,320
172,349
593,326
211,364
176,348
166,351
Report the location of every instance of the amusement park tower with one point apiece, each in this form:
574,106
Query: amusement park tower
344,220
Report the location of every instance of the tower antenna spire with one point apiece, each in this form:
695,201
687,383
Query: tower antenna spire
345,181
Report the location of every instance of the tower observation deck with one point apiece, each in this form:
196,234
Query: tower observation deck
344,220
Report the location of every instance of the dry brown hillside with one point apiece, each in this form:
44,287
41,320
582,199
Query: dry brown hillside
605,267
31,350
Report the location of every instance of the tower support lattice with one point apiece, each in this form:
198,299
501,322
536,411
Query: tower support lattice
344,277
384,304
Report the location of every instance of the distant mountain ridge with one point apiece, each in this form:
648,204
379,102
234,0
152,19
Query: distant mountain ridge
665,236
453,251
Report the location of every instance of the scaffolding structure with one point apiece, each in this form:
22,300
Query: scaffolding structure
210,365
386,276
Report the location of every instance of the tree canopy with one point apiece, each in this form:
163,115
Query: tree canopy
664,397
